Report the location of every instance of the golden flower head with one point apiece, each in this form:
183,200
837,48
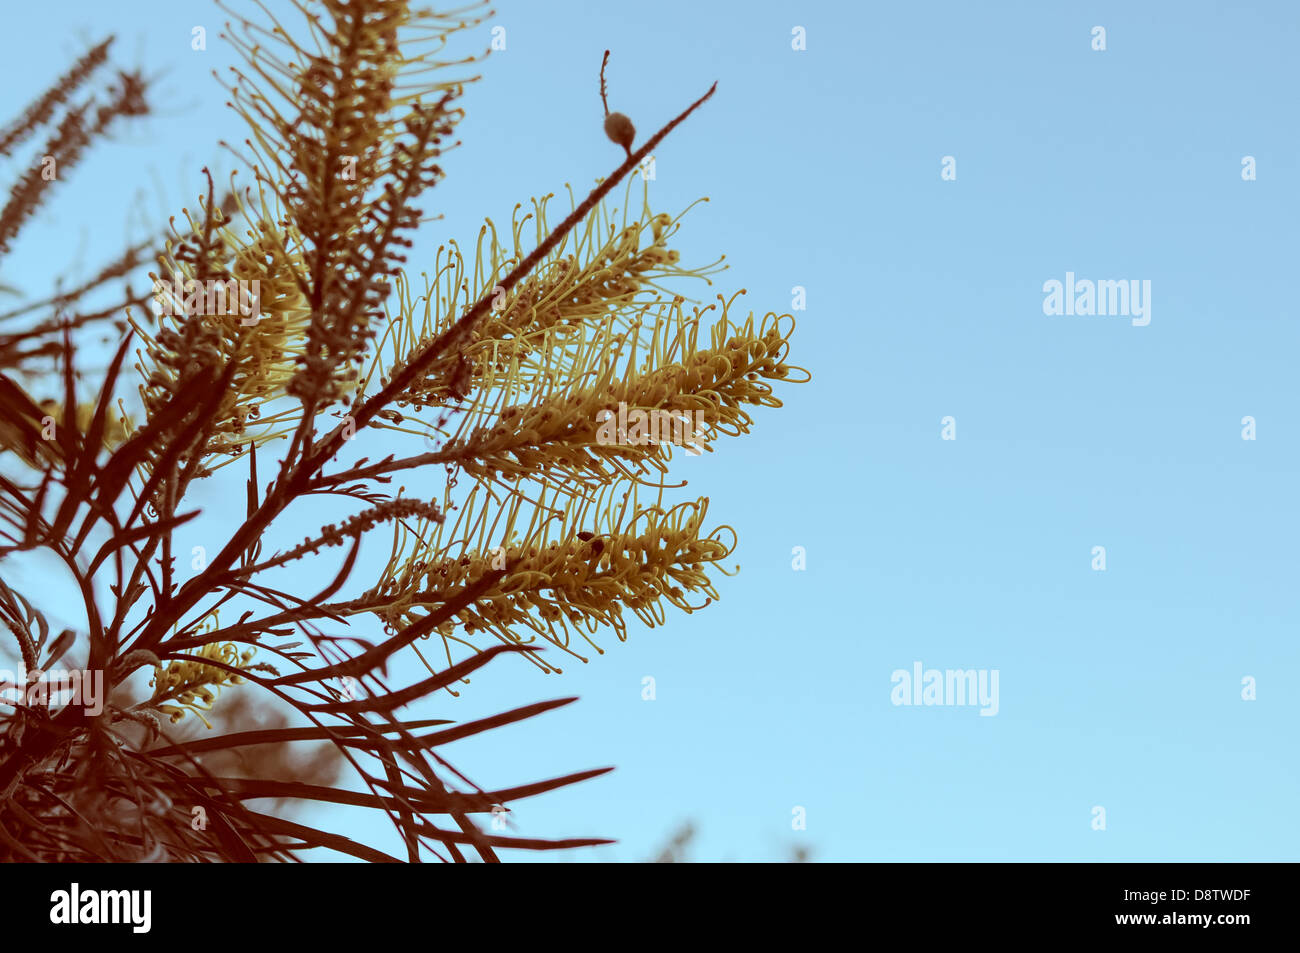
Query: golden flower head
573,570
194,685
211,323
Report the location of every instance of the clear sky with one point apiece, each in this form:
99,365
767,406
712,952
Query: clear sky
1120,689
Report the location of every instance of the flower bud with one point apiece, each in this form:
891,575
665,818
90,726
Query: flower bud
620,129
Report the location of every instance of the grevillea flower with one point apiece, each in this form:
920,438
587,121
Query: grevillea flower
606,269
193,685
597,329
570,571
554,428
30,435
264,347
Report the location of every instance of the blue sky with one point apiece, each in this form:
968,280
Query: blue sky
1118,688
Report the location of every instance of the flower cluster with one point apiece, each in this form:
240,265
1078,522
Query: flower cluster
555,429
604,271
572,570
194,685
264,350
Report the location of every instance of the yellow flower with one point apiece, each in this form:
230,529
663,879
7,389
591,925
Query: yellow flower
602,270
267,260
604,556
194,686
31,434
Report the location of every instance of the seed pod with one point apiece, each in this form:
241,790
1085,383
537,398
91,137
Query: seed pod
620,129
